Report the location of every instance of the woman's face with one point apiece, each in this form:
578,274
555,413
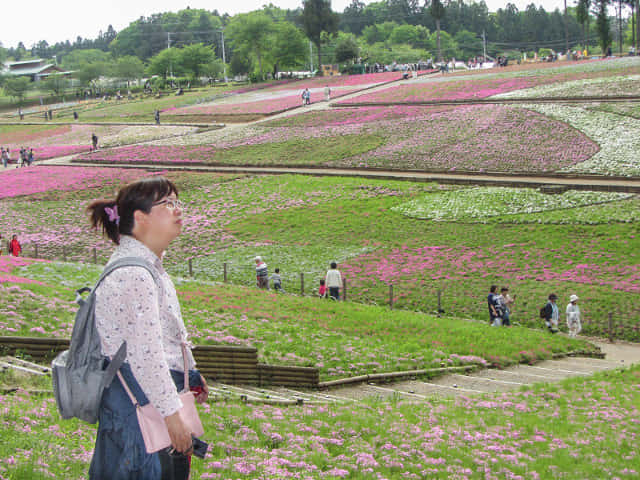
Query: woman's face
166,218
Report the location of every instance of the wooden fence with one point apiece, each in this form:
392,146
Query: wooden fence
220,363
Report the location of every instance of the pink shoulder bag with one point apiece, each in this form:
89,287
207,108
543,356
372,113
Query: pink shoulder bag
152,425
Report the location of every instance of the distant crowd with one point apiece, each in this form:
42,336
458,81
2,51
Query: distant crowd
25,157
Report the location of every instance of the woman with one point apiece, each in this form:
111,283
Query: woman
144,218
573,316
333,281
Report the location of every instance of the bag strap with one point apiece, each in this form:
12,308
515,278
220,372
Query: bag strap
186,378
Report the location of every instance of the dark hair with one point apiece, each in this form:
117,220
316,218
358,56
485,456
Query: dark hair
504,289
334,265
553,296
138,195
277,270
322,281
493,288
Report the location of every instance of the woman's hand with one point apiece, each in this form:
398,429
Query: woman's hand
179,433
204,395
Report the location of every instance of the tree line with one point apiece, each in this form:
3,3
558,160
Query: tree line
190,42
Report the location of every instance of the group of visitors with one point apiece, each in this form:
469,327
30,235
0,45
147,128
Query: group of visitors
500,311
551,315
13,246
329,286
25,158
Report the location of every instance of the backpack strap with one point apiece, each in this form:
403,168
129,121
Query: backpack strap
118,359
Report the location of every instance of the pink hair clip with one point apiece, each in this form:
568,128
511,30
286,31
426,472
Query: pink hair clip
113,214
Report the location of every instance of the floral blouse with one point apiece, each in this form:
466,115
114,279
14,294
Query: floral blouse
130,307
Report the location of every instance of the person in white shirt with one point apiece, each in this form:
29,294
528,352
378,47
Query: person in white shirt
131,307
573,316
333,281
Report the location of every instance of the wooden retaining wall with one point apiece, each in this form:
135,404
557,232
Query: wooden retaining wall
221,363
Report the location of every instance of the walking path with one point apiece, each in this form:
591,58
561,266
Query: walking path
452,385
587,182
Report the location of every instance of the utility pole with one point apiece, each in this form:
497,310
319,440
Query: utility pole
224,58
484,46
168,47
566,31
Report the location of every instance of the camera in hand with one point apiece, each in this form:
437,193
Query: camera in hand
199,447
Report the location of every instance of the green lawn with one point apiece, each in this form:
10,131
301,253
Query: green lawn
583,428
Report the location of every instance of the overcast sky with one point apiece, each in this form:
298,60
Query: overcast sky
30,21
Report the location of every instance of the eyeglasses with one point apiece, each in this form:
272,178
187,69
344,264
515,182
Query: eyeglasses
171,203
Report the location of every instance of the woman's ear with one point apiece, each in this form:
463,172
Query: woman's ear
140,218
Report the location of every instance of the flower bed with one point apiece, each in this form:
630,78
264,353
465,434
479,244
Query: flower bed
37,179
289,96
481,203
475,138
580,428
591,87
471,88
619,146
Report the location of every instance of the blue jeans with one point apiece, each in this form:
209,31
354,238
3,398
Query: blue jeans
334,292
120,453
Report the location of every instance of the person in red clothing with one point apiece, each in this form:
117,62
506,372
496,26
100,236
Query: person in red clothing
14,246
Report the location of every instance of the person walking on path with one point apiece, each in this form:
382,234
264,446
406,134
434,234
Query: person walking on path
495,315
156,116
333,281
551,313
94,141
327,93
262,273
5,157
134,307
322,290
14,246
573,316
30,157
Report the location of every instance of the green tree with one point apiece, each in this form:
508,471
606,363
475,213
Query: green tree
289,46
251,32
165,63
89,73
213,69
240,63
128,68
404,34
347,49
56,84
582,15
380,32
602,24
469,45
317,17
17,87
193,59
77,59
437,11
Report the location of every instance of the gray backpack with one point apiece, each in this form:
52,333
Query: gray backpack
77,374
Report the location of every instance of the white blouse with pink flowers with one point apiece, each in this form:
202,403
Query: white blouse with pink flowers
131,307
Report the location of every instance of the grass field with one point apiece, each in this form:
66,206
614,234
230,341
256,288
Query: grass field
582,428
378,236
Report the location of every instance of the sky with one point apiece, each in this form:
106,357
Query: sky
30,21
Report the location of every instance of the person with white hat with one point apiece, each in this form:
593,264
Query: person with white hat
573,316
262,274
